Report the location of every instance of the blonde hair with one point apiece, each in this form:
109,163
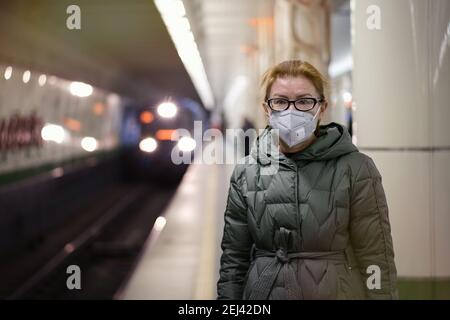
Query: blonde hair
293,68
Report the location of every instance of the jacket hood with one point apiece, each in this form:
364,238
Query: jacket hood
333,140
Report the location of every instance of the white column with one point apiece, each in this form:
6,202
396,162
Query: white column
401,89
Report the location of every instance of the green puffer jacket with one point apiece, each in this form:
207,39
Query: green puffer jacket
313,225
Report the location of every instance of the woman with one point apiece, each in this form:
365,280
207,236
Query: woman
317,226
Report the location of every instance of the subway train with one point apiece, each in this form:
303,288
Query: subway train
151,136
63,144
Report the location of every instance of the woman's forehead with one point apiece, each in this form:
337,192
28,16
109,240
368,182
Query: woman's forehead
293,85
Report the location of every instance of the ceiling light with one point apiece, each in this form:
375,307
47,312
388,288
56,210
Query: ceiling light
80,89
173,15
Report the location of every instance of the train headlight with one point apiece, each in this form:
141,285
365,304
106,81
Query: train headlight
186,144
167,110
148,145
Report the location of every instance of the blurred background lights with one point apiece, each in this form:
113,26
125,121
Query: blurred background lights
146,117
347,96
159,223
89,144
42,79
8,73
165,134
57,172
80,89
186,144
173,14
148,145
98,108
26,76
167,110
53,132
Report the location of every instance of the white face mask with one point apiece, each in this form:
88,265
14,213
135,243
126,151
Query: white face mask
294,126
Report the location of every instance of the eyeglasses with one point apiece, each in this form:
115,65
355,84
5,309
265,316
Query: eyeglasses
302,104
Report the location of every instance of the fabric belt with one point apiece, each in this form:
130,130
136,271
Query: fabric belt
262,288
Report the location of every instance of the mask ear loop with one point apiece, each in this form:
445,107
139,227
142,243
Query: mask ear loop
318,111
314,119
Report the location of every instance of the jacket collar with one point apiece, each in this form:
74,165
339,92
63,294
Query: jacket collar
266,149
333,140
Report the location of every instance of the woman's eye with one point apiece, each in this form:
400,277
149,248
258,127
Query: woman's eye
304,102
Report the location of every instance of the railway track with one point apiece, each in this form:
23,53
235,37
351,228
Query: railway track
103,254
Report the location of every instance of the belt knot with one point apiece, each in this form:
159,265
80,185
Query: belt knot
282,255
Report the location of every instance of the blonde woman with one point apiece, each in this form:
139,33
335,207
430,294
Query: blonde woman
318,226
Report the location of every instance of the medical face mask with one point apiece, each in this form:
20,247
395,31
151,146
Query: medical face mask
294,126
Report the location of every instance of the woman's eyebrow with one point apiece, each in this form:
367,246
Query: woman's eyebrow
297,96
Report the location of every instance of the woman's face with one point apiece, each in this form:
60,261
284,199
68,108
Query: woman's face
293,88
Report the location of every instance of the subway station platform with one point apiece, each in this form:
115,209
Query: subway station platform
181,257
91,93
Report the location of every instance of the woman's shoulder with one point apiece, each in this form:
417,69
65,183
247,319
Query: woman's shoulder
359,163
355,158
246,170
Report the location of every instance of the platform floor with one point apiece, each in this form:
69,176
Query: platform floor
182,260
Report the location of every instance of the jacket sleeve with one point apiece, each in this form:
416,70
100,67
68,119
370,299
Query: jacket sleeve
370,233
236,242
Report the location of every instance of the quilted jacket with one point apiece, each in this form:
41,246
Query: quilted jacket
312,225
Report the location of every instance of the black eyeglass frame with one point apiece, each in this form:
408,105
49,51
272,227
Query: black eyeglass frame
316,101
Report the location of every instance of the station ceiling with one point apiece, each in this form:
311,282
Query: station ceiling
123,46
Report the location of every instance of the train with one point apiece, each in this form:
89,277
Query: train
63,142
